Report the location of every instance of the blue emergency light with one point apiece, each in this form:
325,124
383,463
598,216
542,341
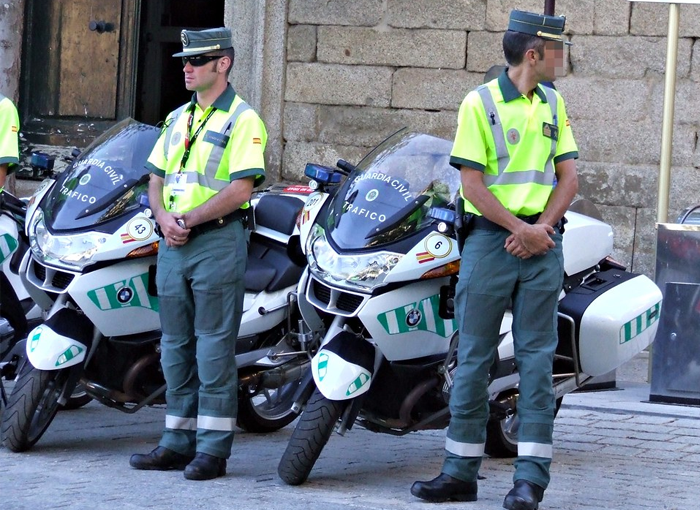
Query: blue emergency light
322,174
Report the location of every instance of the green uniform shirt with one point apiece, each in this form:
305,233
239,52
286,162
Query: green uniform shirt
529,130
228,147
9,134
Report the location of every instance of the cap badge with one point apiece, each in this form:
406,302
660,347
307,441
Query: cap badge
184,38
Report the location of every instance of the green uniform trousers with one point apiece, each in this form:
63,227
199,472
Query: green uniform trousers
200,291
489,280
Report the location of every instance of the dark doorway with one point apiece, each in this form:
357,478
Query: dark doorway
160,87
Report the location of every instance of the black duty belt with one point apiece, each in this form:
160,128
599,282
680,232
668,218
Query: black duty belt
475,221
207,226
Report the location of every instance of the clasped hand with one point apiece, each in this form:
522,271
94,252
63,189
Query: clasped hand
172,232
530,240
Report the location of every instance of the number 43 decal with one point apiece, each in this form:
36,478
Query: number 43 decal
138,229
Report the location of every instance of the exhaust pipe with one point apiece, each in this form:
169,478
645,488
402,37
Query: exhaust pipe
275,377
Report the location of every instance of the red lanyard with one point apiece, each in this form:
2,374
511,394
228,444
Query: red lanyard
189,142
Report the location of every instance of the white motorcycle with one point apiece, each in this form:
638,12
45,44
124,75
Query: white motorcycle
91,265
17,310
383,259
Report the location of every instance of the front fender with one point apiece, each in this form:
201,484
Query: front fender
62,341
344,367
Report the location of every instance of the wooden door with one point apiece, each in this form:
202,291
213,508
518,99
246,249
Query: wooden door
89,42
75,58
78,68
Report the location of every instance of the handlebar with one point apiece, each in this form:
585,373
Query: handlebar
345,167
13,205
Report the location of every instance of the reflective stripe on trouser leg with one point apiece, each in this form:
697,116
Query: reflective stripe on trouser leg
218,288
535,335
482,295
177,352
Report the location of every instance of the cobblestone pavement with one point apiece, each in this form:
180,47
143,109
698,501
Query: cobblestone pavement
613,450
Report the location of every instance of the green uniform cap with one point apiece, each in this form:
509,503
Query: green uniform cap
199,42
540,25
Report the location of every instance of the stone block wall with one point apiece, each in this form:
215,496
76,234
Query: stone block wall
358,71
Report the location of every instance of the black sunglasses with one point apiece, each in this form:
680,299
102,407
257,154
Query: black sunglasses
199,60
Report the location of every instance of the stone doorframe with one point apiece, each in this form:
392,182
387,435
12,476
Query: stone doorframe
259,37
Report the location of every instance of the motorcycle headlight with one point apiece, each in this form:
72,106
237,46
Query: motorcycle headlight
364,271
71,251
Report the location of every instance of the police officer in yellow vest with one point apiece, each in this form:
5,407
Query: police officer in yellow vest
516,155
204,167
9,139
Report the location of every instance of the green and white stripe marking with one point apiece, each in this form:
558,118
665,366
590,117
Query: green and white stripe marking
358,383
394,321
105,298
8,244
68,355
639,324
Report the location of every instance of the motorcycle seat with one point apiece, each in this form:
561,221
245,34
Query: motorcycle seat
258,274
269,266
278,212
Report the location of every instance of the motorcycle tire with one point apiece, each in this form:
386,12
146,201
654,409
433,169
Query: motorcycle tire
502,434
267,411
31,407
311,434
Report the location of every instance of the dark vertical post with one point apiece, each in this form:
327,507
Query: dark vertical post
549,7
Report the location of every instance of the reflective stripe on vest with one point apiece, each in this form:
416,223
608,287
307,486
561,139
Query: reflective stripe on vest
520,177
170,128
208,178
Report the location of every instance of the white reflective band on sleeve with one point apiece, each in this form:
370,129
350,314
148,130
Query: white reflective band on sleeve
464,449
180,423
215,423
543,451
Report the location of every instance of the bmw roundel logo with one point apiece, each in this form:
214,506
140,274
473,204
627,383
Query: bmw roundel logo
84,179
124,295
413,318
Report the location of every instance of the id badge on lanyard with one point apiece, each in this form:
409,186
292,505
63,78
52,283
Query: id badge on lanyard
178,187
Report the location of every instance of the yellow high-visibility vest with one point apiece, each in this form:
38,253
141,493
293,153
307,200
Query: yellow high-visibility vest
515,142
229,146
9,133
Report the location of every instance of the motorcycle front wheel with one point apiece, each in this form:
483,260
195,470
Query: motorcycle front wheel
31,406
502,434
309,437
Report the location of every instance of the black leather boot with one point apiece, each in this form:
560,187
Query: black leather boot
444,488
160,459
524,496
205,467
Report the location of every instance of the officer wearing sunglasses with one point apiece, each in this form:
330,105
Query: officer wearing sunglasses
203,169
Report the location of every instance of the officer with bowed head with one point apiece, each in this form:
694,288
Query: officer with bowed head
203,169
513,140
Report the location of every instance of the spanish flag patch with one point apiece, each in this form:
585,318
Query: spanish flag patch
257,141
568,123
14,129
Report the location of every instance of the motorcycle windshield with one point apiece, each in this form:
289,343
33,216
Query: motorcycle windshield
105,181
390,192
